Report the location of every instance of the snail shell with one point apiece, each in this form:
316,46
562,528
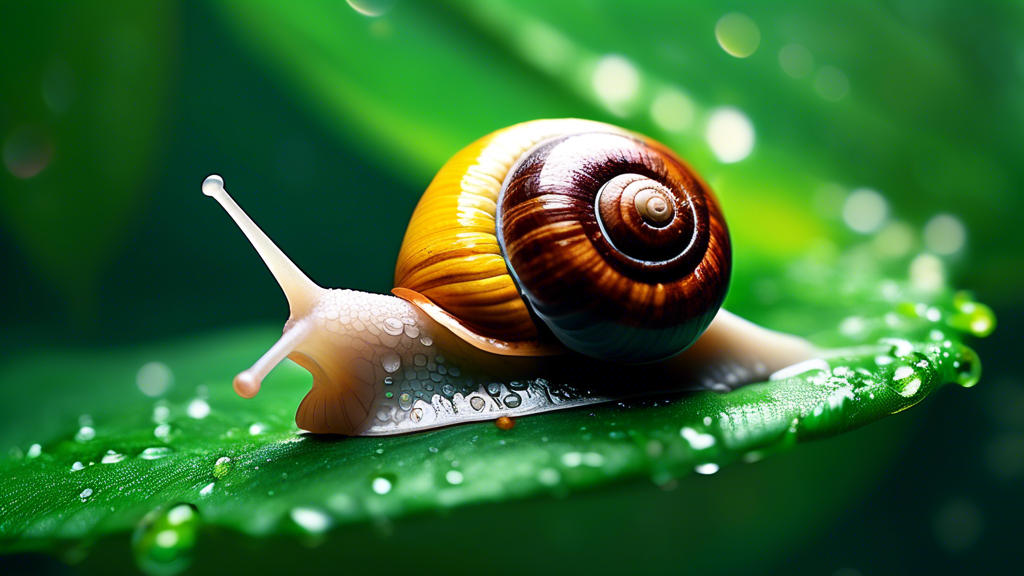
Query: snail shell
544,237
605,237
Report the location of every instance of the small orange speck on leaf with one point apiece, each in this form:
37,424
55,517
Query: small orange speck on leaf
505,423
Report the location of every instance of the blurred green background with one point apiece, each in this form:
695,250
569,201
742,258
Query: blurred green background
896,126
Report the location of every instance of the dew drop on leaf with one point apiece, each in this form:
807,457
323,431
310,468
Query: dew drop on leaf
163,540
222,467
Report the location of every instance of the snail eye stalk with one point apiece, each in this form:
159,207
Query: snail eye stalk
302,293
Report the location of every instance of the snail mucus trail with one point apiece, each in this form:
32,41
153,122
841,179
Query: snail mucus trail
383,364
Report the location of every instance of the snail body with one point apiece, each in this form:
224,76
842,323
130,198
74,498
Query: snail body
552,264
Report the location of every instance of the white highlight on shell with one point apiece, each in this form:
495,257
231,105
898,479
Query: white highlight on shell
730,134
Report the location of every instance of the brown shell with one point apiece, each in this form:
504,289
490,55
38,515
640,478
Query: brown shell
608,281
609,278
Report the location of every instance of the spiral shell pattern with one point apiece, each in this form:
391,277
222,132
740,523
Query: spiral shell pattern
615,244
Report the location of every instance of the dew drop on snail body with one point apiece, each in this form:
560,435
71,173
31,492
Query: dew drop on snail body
549,265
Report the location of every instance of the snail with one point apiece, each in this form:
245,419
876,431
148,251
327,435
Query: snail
549,265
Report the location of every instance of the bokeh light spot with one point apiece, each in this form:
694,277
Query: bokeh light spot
958,525
927,273
28,151
372,8
616,81
831,83
730,135
944,234
672,110
865,210
738,35
895,240
546,47
796,61
154,378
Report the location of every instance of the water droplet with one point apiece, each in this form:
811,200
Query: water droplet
419,360
256,429
427,341
448,390
391,362
477,403
383,415
161,413
709,468
697,440
155,453
907,381
381,485
206,490
162,542
968,368
154,378
494,389
311,520
77,466
222,467
85,494
454,477
198,409
34,451
112,457
85,434
162,431
512,400
738,35
412,331
405,401
389,395
392,326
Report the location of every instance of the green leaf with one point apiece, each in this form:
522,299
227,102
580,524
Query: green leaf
94,455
